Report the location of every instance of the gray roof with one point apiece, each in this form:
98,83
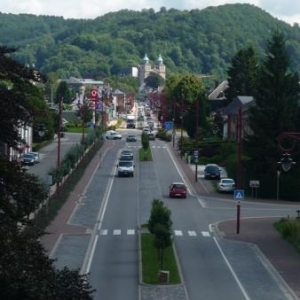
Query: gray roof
236,103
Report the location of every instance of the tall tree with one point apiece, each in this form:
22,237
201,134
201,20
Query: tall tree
275,109
26,272
63,91
242,74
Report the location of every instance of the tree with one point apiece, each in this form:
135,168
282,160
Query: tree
275,111
63,91
26,272
242,74
160,225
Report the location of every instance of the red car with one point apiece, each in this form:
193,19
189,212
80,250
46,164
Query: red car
178,189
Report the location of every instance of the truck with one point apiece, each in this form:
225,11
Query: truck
130,121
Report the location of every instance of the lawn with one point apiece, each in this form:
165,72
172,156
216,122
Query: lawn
151,264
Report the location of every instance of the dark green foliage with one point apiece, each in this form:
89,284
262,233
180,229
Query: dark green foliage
195,41
242,74
163,135
145,141
275,111
160,224
26,272
63,93
160,214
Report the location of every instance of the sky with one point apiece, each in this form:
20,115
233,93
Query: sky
285,10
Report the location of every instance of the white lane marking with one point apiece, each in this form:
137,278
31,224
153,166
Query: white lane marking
192,233
90,254
178,232
232,271
103,232
117,232
130,232
205,233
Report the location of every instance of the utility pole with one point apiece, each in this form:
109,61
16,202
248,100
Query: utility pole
196,154
239,166
58,139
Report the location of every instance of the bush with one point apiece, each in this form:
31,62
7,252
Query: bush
163,135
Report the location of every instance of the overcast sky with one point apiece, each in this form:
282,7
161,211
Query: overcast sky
286,10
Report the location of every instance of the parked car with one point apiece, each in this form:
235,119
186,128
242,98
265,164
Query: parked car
212,171
178,189
226,185
113,135
36,156
131,138
125,168
27,159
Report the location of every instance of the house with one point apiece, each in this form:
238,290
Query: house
230,113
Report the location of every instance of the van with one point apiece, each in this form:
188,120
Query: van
125,168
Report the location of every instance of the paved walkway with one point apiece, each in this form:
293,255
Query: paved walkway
259,231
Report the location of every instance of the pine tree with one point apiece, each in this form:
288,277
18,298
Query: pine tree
275,109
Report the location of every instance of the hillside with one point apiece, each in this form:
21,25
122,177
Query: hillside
196,41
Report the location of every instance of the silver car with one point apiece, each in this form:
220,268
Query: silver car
226,185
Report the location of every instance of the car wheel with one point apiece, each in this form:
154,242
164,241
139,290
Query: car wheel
184,196
170,195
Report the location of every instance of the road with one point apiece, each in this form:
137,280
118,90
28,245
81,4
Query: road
113,209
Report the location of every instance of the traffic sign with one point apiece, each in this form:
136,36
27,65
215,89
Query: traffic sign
196,153
94,94
168,125
239,194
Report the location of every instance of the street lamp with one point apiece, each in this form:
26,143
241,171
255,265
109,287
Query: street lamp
286,162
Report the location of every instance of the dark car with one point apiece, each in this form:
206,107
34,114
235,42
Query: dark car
178,189
131,138
28,159
212,171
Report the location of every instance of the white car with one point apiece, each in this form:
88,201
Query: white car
226,185
36,156
113,135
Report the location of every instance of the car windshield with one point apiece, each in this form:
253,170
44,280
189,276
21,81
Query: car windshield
178,186
125,163
127,152
227,181
126,157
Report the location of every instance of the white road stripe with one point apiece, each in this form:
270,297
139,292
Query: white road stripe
178,232
192,233
205,233
117,232
130,232
103,232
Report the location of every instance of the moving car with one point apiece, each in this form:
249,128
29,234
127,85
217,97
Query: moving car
113,135
226,185
178,189
212,171
151,136
125,168
27,159
127,152
131,138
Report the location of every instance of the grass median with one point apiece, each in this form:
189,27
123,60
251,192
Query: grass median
151,263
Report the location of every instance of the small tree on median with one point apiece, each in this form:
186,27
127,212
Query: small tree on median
160,225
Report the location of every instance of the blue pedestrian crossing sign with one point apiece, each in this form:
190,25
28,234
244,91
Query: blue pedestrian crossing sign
239,194
168,125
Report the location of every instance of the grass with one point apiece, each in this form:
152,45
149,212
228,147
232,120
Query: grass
151,264
145,154
290,231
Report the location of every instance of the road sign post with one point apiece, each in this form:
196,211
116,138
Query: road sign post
238,195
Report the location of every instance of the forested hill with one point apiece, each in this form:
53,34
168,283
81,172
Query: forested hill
196,41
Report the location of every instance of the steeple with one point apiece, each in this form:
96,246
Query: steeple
160,60
145,59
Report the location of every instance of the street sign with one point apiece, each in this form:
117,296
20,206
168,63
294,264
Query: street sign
196,153
239,194
93,94
168,125
254,183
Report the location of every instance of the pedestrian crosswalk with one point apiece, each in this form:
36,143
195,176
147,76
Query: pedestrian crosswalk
178,233
152,147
